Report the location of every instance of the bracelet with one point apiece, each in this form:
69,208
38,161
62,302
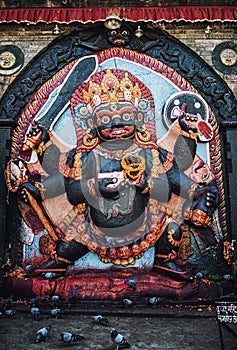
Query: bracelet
189,134
41,188
13,185
198,217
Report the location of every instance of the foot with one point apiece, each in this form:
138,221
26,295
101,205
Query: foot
172,270
50,266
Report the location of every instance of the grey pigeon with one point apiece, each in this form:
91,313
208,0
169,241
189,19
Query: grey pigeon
42,334
127,302
9,312
119,340
132,284
35,311
100,320
8,302
154,301
34,302
55,299
51,275
56,312
68,337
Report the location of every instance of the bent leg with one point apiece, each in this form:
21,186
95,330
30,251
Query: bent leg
166,250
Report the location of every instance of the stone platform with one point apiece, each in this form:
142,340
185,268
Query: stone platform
111,285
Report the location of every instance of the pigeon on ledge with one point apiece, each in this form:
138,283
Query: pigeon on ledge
56,312
35,311
127,302
55,299
9,312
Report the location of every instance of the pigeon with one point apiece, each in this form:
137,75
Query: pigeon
34,302
35,311
100,320
9,312
119,340
227,277
42,334
56,312
55,299
153,301
132,284
51,275
8,302
30,268
68,337
199,275
127,302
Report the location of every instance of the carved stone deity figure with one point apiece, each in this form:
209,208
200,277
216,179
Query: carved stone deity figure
119,180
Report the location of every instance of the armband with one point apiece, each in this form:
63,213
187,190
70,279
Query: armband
192,190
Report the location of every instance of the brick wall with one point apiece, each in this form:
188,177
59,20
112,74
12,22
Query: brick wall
203,44
31,39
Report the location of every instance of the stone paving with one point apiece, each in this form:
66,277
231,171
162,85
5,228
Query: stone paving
164,327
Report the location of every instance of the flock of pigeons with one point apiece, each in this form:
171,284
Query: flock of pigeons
118,340
67,337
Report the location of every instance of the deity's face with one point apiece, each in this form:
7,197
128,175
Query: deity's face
201,172
123,252
150,239
93,247
113,253
7,59
136,250
144,246
115,121
103,252
119,36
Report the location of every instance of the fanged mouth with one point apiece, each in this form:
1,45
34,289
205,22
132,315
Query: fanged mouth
119,131
27,145
119,41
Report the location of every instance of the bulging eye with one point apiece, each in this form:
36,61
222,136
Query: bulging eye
105,119
113,32
126,117
124,32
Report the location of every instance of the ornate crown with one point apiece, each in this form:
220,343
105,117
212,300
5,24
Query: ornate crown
111,90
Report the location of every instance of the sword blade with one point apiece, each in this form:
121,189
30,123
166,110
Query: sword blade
60,98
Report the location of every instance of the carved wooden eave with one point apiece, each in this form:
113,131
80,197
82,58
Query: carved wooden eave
154,14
